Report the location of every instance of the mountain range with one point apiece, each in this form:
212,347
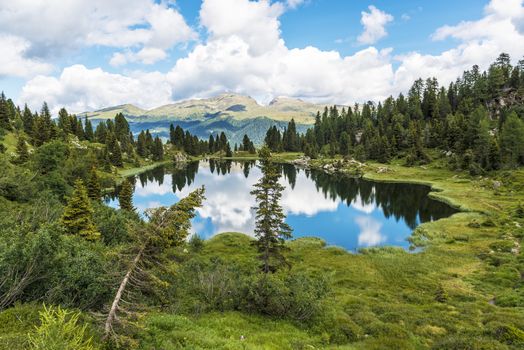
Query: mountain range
233,114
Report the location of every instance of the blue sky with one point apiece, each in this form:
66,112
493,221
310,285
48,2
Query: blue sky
89,54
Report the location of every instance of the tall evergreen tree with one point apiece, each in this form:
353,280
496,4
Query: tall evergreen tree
27,119
4,113
158,149
141,146
94,191
271,229
211,144
125,196
512,140
88,127
21,150
77,218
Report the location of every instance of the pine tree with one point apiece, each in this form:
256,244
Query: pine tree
158,149
172,136
141,147
21,150
4,113
228,150
77,218
512,140
89,134
345,143
116,155
94,191
27,119
270,230
63,121
125,196
245,143
211,144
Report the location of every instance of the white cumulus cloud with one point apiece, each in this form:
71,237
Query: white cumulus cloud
82,89
13,61
374,23
244,52
52,27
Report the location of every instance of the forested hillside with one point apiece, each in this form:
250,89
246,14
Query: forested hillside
476,121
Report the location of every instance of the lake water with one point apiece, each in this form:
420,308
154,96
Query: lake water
348,212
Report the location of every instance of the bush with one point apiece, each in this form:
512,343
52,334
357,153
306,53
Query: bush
502,246
196,243
16,322
112,224
292,295
506,333
510,298
60,330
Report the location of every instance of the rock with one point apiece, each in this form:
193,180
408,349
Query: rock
382,170
179,158
496,185
302,161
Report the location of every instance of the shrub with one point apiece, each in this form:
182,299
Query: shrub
196,243
506,333
292,295
502,246
60,330
510,298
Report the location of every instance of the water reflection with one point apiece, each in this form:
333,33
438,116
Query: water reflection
344,211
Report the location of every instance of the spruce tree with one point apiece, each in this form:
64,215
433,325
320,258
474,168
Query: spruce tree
141,146
158,149
27,120
77,218
94,191
21,150
270,230
512,140
89,134
4,113
172,136
228,150
125,196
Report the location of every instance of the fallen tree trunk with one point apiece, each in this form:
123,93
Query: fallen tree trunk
118,296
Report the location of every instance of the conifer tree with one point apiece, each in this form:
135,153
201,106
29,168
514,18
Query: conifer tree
141,147
211,144
63,121
4,113
27,120
21,150
89,134
271,230
94,191
172,136
512,140
77,218
158,149
125,196
228,150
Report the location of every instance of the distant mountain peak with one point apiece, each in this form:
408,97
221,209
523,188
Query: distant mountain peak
227,105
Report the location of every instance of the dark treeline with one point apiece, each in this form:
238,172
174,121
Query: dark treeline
476,121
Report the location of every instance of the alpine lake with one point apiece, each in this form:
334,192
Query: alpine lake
344,211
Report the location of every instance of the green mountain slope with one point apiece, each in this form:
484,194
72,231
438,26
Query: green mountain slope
232,114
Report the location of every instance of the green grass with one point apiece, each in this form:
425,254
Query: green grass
131,171
387,296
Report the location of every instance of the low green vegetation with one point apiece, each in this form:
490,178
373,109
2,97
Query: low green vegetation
77,274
